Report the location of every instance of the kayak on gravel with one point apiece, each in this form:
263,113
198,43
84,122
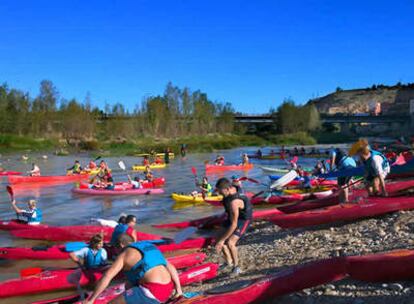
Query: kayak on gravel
369,207
61,252
195,274
152,166
61,279
216,168
51,179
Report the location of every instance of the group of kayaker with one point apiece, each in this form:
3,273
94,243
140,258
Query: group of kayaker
219,161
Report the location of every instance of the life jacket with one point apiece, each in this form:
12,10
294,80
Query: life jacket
208,187
151,257
94,261
37,218
369,169
119,229
244,214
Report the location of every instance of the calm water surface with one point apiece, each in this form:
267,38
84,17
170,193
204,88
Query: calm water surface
61,207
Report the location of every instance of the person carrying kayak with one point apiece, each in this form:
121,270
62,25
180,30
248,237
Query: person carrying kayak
35,170
93,256
239,216
33,216
339,160
76,168
376,167
151,279
126,225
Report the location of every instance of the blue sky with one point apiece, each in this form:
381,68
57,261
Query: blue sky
250,53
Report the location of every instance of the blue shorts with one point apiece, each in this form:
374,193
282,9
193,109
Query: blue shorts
135,295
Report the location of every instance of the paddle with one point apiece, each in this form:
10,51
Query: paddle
245,178
10,191
284,180
121,165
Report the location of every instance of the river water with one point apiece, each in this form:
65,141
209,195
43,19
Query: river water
61,207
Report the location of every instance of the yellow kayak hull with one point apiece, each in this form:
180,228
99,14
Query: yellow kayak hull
306,191
152,166
182,198
172,155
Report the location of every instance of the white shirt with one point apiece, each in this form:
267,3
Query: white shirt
377,166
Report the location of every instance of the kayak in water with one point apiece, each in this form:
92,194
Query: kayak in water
152,166
118,190
215,168
51,179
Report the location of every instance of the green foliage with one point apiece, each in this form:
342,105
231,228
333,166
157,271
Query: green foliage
298,138
293,119
9,142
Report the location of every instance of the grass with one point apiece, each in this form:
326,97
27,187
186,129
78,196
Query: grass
15,143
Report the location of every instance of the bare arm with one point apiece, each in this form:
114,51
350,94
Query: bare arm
234,217
74,257
174,276
16,209
107,278
382,184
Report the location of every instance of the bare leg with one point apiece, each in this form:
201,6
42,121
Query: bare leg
376,185
231,243
227,255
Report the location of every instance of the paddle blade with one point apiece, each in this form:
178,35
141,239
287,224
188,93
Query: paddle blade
294,160
98,158
194,170
27,272
399,161
10,191
121,165
74,246
184,234
284,180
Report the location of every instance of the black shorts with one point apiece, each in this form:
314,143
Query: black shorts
242,226
343,180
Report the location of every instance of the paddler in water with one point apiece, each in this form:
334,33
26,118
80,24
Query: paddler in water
35,170
205,187
219,160
239,216
236,182
93,256
376,167
32,216
148,175
76,168
339,160
151,279
245,160
145,161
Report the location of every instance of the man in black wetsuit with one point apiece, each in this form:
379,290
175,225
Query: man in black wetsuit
239,216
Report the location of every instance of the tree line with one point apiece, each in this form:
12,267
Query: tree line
177,112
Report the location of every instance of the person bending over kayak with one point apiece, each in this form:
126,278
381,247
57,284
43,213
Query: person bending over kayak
35,170
239,216
125,225
76,168
151,279
32,216
93,256
341,161
376,167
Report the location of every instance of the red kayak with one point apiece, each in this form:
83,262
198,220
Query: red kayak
51,179
65,233
369,207
7,173
61,279
156,183
214,220
195,274
215,168
118,191
58,252
286,281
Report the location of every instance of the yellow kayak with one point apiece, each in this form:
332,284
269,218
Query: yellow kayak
183,198
152,166
172,155
90,172
306,191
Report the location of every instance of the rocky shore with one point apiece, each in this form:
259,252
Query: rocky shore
267,249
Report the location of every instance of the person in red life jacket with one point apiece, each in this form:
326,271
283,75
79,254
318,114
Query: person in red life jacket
158,160
148,175
93,256
239,216
219,160
376,167
151,279
145,161
35,170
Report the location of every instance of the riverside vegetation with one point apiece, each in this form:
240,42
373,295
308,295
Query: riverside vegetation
50,122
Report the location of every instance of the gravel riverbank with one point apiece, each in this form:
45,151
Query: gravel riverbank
267,249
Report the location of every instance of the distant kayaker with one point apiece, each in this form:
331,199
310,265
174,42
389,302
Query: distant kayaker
149,176
32,216
150,277
167,155
93,256
136,182
239,216
183,150
158,160
376,167
145,161
245,160
125,225
76,168
205,187
259,153
35,170
91,166
339,160
219,160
